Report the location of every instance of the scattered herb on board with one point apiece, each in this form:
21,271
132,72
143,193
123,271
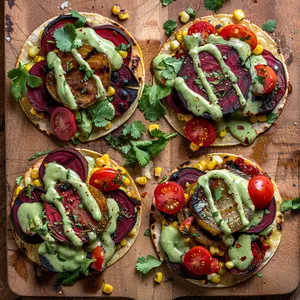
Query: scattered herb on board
290,204
191,12
169,27
19,179
20,79
269,26
81,19
145,264
167,2
163,179
123,47
38,154
213,5
102,112
260,275
136,129
147,232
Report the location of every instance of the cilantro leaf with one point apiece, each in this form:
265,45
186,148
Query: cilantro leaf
65,38
170,67
290,205
150,102
169,27
218,193
167,2
145,264
191,12
163,179
38,154
271,118
43,229
213,5
101,113
88,73
81,19
269,26
260,79
142,156
29,191
20,79
19,179
123,47
135,129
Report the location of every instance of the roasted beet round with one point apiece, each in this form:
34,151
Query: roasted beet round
39,97
68,158
175,103
23,198
186,175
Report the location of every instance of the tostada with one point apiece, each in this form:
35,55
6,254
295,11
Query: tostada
79,76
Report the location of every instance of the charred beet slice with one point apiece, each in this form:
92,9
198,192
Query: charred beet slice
266,220
175,103
127,218
68,158
258,252
23,198
39,97
117,36
47,40
228,98
271,100
186,175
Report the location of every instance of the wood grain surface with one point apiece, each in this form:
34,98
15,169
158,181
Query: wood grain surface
277,151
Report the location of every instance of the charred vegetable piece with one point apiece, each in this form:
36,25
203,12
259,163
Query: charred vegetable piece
47,40
221,85
246,168
68,158
39,97
127,218
23,198
186,176
117,36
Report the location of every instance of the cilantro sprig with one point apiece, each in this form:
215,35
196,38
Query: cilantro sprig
191,12
145,264
136,129
169,27
290,204
81,19
123,47
170,67
20,79
269,26
65,38
38,154
167,2
101,113
213,5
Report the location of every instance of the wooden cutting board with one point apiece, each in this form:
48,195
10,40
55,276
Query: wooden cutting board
277,151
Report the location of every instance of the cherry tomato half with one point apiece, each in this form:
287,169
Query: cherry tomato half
214,267
198,260
268,76
169,197
200,132
240,32
261,191
63,123
186,224
203,27
106,179
98,254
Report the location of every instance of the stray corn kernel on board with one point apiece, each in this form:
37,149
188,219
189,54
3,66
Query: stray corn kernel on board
276,151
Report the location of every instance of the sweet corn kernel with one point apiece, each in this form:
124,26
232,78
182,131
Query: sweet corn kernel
126,181
158,277
34,51
216,278
152,127
157,171
188,240
194,147
121,170
253,119
239,14
223,133
218,159
186,197
123,242
123,54
184,17
258,50
184,33
179,36
18,190
229,264
203,164
198,166
175,224
108,126
221,271
28,66
116,9
211,276
221,252
100,162
110,91
95,169
123,189
221,265
132,233
123,15
37,183
211,164
35,113
213,250
106,158
130,194
107,288
141,180
181,117
34,174
174,45
38,58
262,118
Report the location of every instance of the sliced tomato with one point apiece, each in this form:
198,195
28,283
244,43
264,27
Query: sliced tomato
106,179
198,260
169,197
214,267
63,123
98,254
200,132
261,191
240,32
202,27
267,77
186,224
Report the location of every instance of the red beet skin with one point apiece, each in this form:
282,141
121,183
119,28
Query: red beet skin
186,175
